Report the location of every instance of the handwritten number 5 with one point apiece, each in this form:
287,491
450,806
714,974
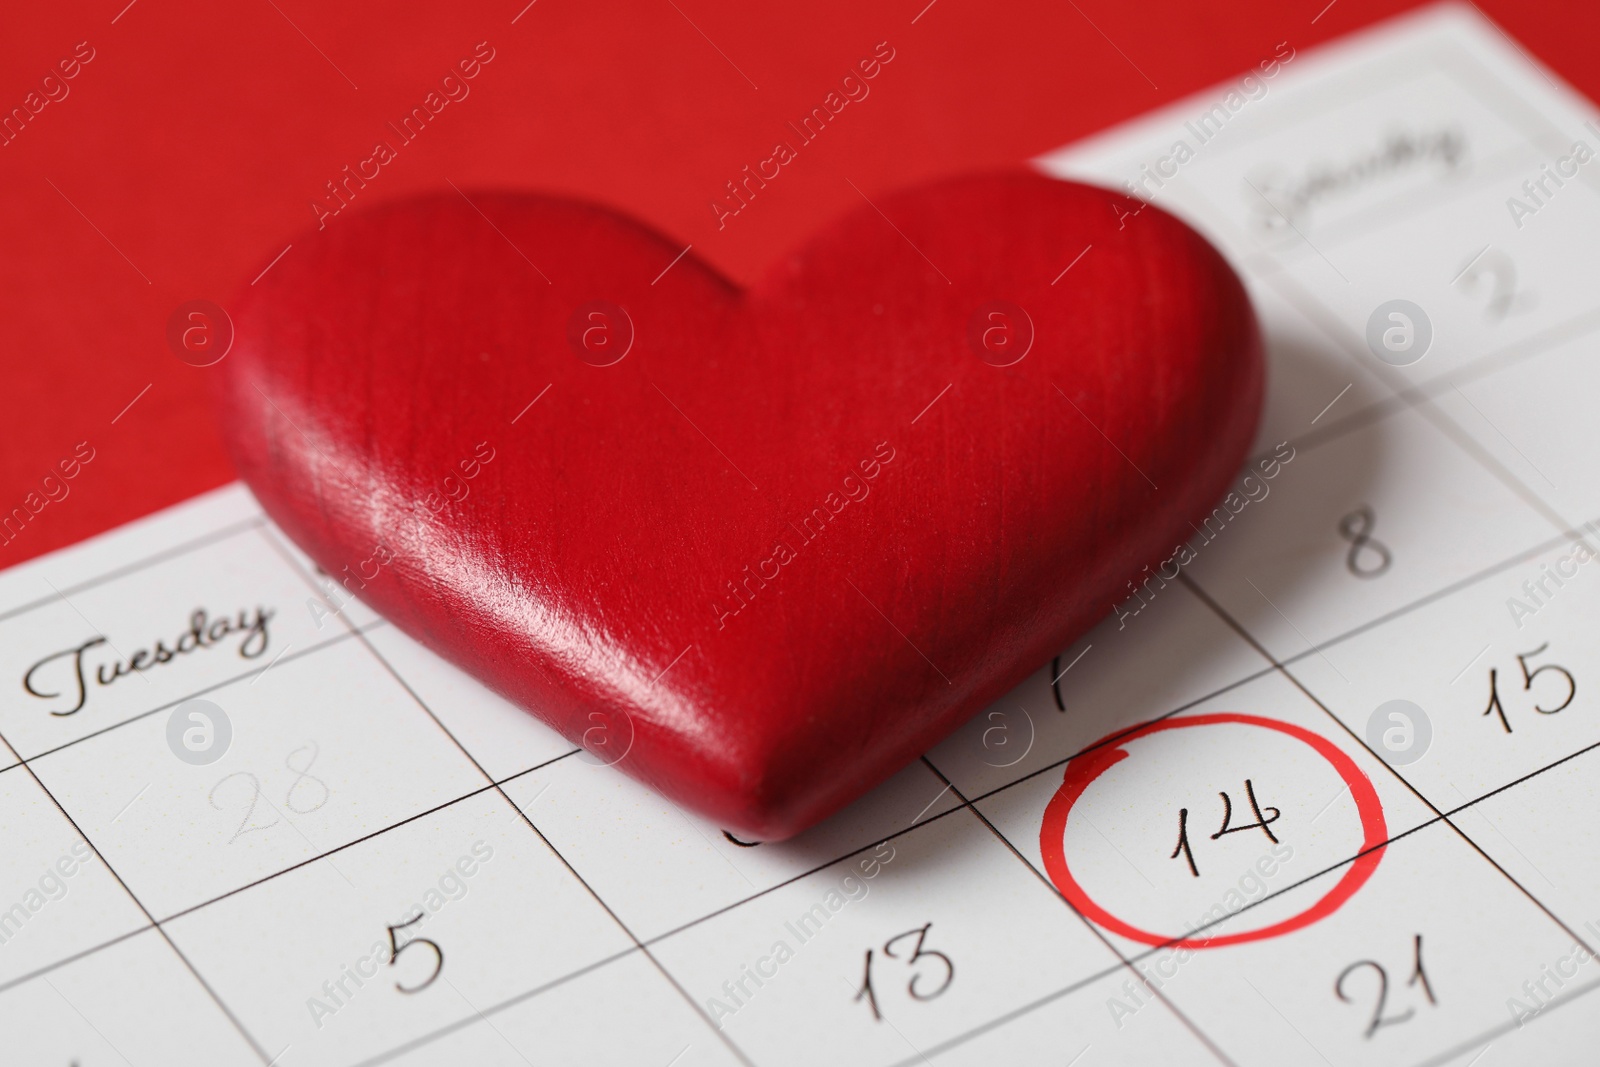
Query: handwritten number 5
395,948
1528,677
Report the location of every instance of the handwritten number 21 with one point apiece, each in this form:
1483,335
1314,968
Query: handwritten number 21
1419,976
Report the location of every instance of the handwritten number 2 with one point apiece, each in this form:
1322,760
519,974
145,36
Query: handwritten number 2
1378,1018
250,807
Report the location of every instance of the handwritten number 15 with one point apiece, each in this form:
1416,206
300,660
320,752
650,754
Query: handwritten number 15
1497,708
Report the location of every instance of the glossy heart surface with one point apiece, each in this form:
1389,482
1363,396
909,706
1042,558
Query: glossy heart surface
760,548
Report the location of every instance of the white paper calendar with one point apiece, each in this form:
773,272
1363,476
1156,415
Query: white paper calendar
1324,789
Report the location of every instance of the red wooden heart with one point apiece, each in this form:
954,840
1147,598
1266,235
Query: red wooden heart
786,539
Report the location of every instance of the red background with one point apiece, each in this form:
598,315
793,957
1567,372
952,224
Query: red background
196,138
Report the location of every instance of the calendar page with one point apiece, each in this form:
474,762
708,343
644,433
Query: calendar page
1322,788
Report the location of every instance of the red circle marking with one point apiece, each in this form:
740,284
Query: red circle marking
1083,770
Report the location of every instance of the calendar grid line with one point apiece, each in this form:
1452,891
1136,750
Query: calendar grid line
383,661
1147,953
1271,265
1424,402
1224,615
1529,114
1337,332
191,909
54,965
1376,219
1470,445
1497,790
1361,225
1400,398
638,945
493,1009
290,657
1100,935
965,802
204,541
1393,151
978,798
1468,838
1459,585
1199,928
216,999
929,821
259,521
667,934
363,839
658,938
1487,1036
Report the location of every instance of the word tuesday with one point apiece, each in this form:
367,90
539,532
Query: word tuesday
203,633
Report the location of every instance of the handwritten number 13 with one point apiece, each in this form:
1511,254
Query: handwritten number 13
917,991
